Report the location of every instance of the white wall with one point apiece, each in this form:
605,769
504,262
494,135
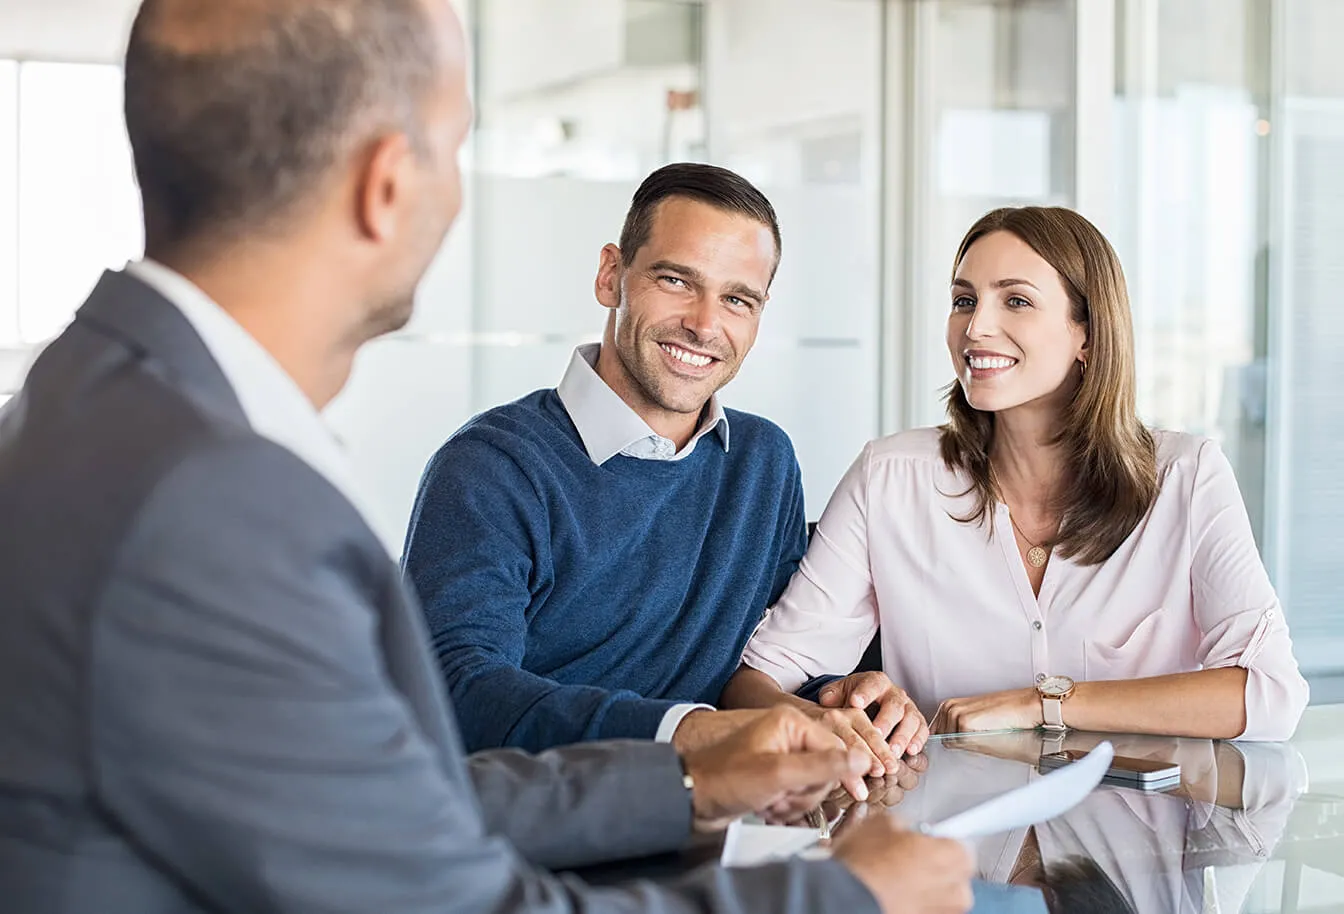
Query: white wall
87,31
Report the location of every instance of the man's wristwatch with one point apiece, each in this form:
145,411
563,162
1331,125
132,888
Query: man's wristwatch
1053,691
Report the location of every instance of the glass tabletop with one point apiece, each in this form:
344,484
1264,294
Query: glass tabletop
1256,828
1252,827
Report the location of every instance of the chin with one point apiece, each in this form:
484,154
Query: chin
390,318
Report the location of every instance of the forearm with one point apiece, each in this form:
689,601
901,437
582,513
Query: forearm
503,706
571,807
1208,704
750,688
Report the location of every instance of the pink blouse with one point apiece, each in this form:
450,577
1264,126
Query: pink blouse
1186,591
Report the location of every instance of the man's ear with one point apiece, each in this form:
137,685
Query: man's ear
610,270
384,182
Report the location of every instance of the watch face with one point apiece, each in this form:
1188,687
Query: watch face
1056,685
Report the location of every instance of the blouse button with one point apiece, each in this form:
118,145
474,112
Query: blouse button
1036,625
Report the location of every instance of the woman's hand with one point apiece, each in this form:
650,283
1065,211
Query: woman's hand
896,729
1017,709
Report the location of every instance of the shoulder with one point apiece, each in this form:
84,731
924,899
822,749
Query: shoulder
758,431
226,485
917,447
1183,454
1179,447
505,437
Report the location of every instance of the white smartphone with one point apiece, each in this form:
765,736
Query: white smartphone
1143,773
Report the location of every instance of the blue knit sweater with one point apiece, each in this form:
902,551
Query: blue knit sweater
568,601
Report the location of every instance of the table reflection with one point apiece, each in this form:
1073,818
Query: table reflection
1200,847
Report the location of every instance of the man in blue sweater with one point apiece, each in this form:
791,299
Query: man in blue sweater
593,558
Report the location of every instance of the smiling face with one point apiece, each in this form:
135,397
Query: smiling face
1012,333
686,310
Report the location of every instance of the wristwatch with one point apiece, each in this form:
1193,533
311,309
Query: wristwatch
1053,691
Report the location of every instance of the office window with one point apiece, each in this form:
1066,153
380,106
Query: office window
997,84
1306,330
78,207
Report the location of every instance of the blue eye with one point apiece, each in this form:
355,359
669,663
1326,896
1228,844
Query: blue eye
675,280
963,303
1017,301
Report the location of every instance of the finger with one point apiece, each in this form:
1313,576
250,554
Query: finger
905,731
842,724
833,695
854,785
920,739
813,736
939,722
917,763
866,688
873,739
894,708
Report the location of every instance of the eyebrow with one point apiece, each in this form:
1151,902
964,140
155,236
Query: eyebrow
1000,284
733,288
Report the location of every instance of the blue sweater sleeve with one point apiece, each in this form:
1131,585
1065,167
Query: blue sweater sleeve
478,554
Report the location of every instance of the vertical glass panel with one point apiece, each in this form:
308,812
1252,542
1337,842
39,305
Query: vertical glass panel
1190,216
1307,335
578,101
810,138
9,205
79,209
995,83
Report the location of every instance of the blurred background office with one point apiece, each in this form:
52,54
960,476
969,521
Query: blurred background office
1206,137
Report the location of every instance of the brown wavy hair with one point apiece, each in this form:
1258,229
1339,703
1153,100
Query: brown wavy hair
1111,459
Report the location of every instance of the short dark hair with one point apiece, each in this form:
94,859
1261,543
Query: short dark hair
718,187
233,122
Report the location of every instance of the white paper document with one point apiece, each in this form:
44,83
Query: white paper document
749,843
1046,797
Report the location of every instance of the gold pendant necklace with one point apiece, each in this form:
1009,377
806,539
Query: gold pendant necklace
1037,555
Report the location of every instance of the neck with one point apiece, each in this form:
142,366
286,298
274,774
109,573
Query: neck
1028,467
677,427
288,307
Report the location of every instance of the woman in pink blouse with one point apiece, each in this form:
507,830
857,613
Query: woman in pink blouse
1042,537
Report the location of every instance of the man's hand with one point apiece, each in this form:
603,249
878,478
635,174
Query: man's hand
907,873
703,728
896,729
1018,709
780,766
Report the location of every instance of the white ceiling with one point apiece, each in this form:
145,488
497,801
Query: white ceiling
72,30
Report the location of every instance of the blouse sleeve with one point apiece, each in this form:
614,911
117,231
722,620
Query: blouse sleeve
828,613
1239,616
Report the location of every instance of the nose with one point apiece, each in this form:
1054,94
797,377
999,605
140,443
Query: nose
983,323
701,318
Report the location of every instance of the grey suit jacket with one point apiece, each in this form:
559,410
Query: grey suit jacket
215,694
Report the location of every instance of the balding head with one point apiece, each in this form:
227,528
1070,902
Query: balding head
239,111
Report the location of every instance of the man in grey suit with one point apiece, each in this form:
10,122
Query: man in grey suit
217,696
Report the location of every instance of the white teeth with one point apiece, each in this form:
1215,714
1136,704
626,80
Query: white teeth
690,358
982,363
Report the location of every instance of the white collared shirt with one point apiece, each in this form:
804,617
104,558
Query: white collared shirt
608,426
274,405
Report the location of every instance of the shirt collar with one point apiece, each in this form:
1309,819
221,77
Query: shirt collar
274,405
606,423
